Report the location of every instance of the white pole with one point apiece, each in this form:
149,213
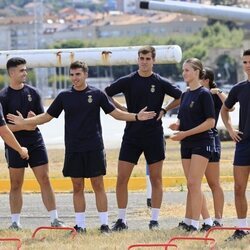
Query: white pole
219,12
93,56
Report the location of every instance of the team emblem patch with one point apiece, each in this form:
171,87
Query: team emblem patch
29,98
152,88
191,104
90,99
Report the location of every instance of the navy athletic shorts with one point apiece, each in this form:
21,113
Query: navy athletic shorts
85,164
187,152
37,156
153,148
242,153
215,157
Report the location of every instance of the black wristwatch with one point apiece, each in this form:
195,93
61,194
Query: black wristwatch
219,91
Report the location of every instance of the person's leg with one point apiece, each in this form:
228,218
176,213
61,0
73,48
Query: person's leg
188,213
79,203
148,187
196,172
42,175
241,175
213,179
15,196
101,202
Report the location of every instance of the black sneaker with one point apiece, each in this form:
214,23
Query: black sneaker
80,230
217,224
153,225
15,226
119,226
149,203
182,225
192,229
105,229
237,235
205,227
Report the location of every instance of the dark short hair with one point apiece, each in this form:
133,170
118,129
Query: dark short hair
246,52
79,64
147,49
209,74
14,62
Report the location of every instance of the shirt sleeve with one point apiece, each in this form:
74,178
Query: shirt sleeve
231,98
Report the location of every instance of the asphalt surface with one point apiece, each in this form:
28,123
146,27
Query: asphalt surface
34,213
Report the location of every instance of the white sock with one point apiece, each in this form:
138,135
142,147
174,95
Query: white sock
103,218
218,220
195,223
15,218
122,214
208,221
187,221
149,187
80,219
242,222
155,213
53,215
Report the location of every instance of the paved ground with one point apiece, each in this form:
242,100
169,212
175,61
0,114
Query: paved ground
35,215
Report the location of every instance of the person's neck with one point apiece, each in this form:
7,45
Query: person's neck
145,73
80,88
194,85
15,85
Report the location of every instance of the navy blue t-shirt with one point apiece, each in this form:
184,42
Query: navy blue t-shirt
217,107
140,92
2,120
241,93
24,100
196,106
83,131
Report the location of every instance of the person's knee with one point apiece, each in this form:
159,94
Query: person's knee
214,185
44,180
156,181
193,185
239,189
98,186
16,185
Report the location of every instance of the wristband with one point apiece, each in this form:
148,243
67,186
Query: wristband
164,111
136,118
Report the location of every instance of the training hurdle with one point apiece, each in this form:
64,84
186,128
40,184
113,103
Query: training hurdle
165,245
71,229
211,246
17,240
225,228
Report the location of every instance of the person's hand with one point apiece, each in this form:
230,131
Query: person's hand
235,135
31,114
174,126
161,114
178,136
16,119
145,115
24,153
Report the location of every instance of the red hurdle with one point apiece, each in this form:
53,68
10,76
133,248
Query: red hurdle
212,245
71,229
165,245
17,240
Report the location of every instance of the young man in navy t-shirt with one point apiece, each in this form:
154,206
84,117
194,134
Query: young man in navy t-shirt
84,149
26,99
143,88
240,93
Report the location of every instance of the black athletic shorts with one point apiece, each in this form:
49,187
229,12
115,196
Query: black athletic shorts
85,164
37,156
153,148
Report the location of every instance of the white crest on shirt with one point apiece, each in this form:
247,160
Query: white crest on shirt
152,88
90,98
29,98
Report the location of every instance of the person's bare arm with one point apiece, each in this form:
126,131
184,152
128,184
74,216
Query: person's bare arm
170,105
35,120
234,133
125,116
206,125
11,141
